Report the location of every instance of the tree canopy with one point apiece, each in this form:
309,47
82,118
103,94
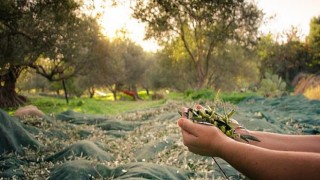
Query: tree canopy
206,44
313,41
201,25
48,36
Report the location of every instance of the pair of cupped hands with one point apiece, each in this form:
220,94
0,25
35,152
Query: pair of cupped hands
201,139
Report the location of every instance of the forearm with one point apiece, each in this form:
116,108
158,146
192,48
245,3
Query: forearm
303,143
261,163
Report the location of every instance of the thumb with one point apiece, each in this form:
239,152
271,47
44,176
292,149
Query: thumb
188,126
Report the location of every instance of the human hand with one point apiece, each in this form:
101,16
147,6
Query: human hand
201,139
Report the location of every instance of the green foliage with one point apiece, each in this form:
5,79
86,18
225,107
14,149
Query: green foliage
168,72
236,97
53,105
210,95
210,116
52,37
272,85
204,94
193,30
102,105
143,95
175,95
313,41
123,68
286,59
233,67
29,80
176,70
80,103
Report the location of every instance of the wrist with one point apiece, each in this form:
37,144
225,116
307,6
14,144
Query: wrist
225,144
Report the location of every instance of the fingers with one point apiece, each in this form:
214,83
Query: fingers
195,144
183,111
190,127
199,107
188,139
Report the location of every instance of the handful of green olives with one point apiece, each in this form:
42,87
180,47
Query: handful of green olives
225,123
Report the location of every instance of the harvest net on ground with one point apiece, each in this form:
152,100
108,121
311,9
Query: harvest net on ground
137,144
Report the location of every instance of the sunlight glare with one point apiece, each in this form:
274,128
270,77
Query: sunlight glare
115,18
287,13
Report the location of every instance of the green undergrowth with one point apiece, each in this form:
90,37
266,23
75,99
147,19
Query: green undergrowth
208,94
89,105
105,106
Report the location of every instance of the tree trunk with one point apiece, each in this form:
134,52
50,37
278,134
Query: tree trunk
201,76
201,81
92,91
8,95
65,91
135,95
114,92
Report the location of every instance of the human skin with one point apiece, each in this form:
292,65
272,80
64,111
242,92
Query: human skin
283,142
260,160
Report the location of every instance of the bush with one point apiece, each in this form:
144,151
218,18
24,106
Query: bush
203,94
236,97
209,94
272,85
312,93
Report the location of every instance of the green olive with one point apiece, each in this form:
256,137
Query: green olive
229,133
222,128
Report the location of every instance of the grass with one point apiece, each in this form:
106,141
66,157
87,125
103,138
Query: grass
106,106
207,94
236,97
89,105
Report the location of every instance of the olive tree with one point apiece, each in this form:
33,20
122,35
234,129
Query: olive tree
51,37
201,25
313,41
126,66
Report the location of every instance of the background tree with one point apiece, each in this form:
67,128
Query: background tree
99,67
285,59
70,54
173,68
149,67
114,73
235,68
135,66
201,25
33,31
29,81
113,64
313,42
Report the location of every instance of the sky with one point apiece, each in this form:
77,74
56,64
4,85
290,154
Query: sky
289,13
116,18
286,13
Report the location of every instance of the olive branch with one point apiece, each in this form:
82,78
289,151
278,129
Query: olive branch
208,116
225,123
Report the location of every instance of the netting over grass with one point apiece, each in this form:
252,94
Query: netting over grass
143,144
